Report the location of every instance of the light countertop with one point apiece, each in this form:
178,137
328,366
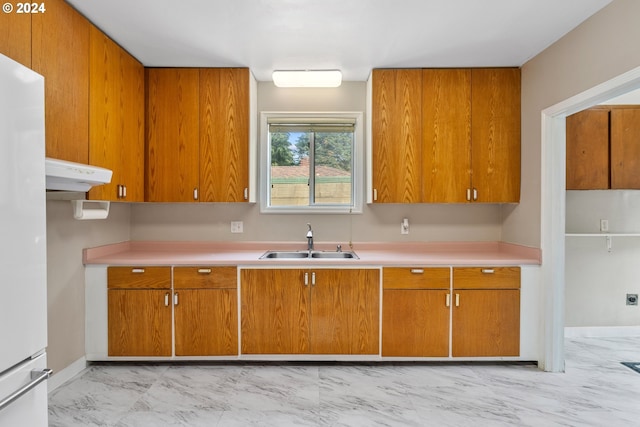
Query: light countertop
146,253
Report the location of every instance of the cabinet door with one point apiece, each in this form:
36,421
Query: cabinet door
116,119
15,37
224,134
625,148
446,135
415,323
206,322
486,323
397,135
172,137
495,132
139,322
60,52
275,311
588,150
345,311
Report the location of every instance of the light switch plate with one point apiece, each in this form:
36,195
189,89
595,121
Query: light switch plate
237,227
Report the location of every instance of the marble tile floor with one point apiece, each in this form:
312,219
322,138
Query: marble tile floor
595,390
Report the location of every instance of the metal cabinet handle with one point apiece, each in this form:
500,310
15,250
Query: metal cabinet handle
37,377
487,271
175,299
375,194
204,271
313,278
124,191
306,279
137,270
246,193
417,271
447,301
475,194
457,300
468,194
166,299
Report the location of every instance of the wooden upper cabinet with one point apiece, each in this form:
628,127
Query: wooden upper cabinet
625,148
15,37
172,136
495,133
397,135
116,119
588,150
60,52
446,135
224,134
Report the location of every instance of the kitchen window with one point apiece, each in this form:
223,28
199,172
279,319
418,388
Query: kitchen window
312,162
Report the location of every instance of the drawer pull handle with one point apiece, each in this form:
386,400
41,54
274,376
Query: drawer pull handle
204,271
488,271
166,299
417,271
457,300
175,299
137,270
448,300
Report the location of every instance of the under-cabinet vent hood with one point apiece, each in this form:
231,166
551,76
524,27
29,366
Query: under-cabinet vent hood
70,176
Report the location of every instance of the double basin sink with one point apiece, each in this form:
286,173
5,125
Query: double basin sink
309,255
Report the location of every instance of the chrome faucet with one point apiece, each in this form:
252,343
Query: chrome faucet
309,238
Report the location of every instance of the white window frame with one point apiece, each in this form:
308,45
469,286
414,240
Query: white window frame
358,173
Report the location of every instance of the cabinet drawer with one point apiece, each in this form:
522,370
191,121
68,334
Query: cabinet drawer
486,278
205,277
139,277
415,278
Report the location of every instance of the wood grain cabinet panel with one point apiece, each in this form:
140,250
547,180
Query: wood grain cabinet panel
275,311
224,134
60,52
139,311
495,133
116,119
300,311
588,150
446,133
206,311
397,135
15,37
486,312
625,148
415,312
172,135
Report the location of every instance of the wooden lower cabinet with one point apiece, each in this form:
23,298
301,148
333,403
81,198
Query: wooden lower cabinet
486,312
415,312
301,311
139,311
206,311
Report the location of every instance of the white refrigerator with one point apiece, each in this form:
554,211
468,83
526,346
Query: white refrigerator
23,245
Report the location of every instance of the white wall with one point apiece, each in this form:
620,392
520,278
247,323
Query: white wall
66,237
376,223
597,280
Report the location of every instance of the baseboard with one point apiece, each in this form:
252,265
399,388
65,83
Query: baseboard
61,377
601,331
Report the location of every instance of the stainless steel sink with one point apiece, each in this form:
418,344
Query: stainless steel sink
308,255
334,255
285,254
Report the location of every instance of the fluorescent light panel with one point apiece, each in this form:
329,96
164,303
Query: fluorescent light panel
307,78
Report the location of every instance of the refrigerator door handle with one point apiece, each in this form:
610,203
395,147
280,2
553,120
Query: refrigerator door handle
37,376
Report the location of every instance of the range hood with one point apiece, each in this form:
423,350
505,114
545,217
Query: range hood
69,176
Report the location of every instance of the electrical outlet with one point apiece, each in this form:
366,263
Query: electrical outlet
604,225
236,226
632,299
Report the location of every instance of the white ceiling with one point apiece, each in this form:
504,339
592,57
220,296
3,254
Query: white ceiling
351,35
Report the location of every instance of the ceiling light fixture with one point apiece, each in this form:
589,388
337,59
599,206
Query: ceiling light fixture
307,78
